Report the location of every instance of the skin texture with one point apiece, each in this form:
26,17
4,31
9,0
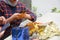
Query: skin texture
1,34
12,1
15,16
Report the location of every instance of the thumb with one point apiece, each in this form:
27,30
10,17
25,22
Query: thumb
4,20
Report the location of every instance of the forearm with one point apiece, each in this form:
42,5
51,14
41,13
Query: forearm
10,19
18,16
1,33
27,16
15,16
33,17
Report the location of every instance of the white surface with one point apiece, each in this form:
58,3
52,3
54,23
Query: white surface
44,6
55,17
55,38
24,23
9,38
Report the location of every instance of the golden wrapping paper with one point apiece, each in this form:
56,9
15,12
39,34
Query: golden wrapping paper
44,31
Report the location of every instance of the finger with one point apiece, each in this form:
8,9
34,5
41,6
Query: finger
1,20
4,20
1,33
0,28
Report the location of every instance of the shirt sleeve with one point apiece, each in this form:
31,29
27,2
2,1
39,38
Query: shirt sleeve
1,11
33,16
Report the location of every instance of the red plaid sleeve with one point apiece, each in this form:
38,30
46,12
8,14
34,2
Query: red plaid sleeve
33,16
1,11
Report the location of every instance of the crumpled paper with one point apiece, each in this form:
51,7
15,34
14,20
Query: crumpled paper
43,31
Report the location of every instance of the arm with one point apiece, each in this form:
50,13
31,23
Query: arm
31,16
17,16
27,15
1,33
2,20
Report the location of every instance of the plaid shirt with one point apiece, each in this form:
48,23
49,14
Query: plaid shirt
7,11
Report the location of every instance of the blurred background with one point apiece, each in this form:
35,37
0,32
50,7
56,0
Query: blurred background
46,10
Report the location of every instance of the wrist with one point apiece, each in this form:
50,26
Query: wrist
10,19
27,16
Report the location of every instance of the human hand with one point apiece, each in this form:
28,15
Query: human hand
21,16
17,16
26,16
2,20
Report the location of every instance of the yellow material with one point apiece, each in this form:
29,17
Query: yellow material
35,27
44,31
